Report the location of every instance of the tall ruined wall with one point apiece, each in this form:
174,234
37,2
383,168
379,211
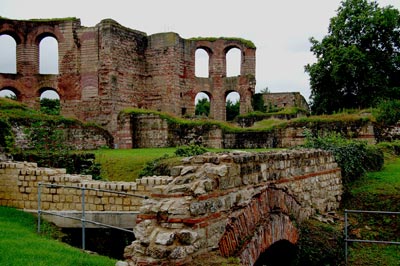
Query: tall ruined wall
239,203
107,68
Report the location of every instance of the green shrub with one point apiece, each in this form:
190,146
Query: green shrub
74,163
388,112
6,135
192,150
353,156
374,158
392,147
320,244
155,167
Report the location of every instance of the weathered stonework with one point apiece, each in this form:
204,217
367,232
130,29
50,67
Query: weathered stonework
19,188
150,130
239,203
284,100
107,68
76,136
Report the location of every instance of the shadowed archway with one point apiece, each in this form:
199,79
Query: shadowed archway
266,220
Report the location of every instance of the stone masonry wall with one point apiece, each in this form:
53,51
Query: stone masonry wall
150,130
77,136
107,68
213,193
19,189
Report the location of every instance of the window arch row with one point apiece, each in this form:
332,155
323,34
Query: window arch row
231,55
47,52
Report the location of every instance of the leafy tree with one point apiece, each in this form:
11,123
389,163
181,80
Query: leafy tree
203,107
388,112
50,106
257,102
265,90
358,62
232,110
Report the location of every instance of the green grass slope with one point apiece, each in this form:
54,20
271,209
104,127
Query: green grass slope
21,245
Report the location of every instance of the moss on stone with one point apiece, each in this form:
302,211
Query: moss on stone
245,42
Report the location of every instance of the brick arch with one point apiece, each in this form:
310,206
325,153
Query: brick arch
209,53
44,89
206,48
226,51
265,220
13,34
14,31
14,90
36,34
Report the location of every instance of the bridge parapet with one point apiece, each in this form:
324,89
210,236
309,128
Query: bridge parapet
233,202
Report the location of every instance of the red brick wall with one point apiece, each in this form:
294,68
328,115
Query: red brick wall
108,67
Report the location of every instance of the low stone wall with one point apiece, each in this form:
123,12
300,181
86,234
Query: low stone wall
196,211
150,130
76,136
19,183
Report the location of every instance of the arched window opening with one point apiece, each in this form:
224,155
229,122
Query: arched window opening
233,62
280,253
202,102
201,63
232,105
8,54
50,102
48,56
6,93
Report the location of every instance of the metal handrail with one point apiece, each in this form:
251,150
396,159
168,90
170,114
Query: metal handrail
347,239
83,218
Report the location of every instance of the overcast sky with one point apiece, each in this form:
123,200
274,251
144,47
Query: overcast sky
280,29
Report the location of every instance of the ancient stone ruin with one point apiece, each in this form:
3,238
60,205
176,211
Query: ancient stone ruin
107,68
239,203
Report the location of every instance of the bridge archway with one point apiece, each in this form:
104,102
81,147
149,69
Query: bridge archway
280,253
264,222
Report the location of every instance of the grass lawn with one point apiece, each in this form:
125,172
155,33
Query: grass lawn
379,191
125,165
21,245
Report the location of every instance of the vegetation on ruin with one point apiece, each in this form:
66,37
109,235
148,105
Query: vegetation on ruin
52,19
354,157
21,245
15,111
44,129
245,42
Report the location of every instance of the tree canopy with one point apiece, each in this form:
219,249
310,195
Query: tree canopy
203,107
358,62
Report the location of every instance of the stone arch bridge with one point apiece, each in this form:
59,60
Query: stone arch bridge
239,203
